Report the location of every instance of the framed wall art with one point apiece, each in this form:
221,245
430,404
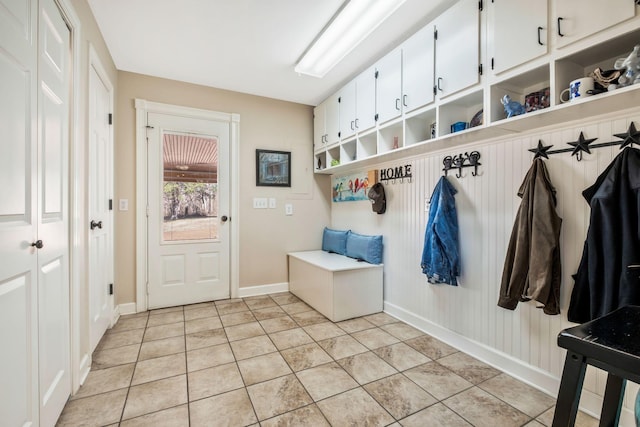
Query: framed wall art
273,168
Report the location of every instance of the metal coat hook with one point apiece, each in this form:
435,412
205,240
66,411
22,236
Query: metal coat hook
461,161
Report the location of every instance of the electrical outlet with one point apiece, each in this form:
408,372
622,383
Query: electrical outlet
288,209
272,203
260,203
124,204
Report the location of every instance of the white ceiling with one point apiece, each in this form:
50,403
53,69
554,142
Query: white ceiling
248,46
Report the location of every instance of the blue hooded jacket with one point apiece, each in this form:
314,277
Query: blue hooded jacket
441,254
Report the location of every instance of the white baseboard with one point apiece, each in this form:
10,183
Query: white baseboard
273,288
127,308
85,367
535,377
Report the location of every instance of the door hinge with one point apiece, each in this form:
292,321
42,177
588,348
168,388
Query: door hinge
147,286
339,134
339,100
435,34
435,89
375,118
492,63
110,288
480,5
480,69
376,74
110,118
149,127
110,204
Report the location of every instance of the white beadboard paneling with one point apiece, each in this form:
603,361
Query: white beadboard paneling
487,206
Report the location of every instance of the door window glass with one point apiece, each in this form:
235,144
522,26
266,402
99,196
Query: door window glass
190,187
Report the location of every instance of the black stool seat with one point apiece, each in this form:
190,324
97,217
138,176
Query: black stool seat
611,343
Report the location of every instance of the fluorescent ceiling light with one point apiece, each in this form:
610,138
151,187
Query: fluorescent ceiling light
353,23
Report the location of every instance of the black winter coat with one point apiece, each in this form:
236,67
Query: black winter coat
604,281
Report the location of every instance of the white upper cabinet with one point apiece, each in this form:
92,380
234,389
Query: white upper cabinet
518,32
457,48
417,70
576,19
389,86
326,121
319,141
366,100
348,110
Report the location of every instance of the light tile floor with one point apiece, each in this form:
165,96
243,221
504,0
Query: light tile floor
274,361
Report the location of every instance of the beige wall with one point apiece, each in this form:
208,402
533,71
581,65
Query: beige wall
266,235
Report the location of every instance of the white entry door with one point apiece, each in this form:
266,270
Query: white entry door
188,205
34,266
100,205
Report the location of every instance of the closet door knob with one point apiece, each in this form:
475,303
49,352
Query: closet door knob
224,218
38,244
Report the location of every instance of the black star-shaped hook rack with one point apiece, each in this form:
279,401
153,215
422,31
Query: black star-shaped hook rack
632,136
541,150
583,145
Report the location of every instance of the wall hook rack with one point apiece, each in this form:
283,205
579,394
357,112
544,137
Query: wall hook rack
582,145
400,173
461,161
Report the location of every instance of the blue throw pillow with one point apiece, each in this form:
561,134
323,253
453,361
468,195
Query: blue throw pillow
334,241
366,248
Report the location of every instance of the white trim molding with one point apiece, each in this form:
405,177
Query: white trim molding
252,291
143,108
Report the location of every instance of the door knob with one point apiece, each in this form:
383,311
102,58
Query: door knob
224,218
38,244
95,224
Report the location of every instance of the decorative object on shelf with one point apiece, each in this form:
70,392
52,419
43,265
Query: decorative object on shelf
537,100
335,162
432,130
350,188
273,168
460,161
395,143
606,78
396,173
578,88
319,163
477,119
458,126
632,66
512,108
630,137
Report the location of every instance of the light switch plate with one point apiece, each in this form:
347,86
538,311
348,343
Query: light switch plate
288,209
260,203
123,204
272,202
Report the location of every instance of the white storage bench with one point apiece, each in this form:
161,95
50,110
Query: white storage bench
337,286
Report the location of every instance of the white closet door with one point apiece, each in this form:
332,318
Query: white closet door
53,258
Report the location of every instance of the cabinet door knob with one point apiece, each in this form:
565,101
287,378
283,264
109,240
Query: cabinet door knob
353,123
38,244
439,87
398,104
357,124
559,31
95,224
404,100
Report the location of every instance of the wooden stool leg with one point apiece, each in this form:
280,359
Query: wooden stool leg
613,395
570,389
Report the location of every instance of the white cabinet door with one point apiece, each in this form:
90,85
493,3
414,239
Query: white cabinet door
348,110
389,86
417,70
332,119
576,19
518,32
319,135
366,100
457,48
